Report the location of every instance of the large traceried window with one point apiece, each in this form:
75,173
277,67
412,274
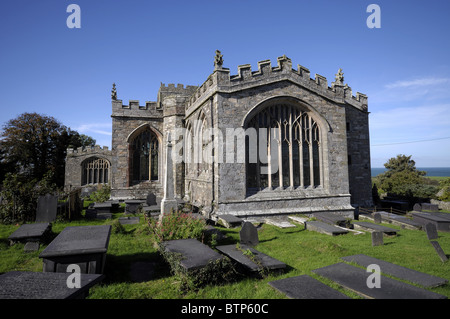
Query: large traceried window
144,157
288,148
95,171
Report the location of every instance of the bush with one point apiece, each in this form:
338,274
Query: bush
102,194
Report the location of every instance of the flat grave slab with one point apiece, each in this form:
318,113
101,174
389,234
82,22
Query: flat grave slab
306,287
298,219
442,223
105,207
375,227
194,254
402,221
397,271
260,260
30,232
279,223
333,219
129,220
325,228
44,285
85,246
230,221
355,279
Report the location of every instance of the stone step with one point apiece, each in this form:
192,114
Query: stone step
355,279
397,271
324,228
375,227
254,262
306,287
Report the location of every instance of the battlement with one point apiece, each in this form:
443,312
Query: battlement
178,90
91,150
221,80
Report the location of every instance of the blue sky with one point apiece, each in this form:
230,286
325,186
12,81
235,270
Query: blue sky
403,67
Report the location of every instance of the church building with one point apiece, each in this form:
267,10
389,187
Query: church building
261,142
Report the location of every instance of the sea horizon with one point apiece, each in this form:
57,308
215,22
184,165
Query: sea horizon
431,171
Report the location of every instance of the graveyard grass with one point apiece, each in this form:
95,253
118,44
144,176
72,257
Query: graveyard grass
302,251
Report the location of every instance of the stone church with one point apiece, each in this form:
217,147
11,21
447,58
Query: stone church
260,142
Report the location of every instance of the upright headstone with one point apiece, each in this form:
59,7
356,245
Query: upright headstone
46,208
439,251
377,218
168,203
151,199
377,238
431,231
417,207
248,234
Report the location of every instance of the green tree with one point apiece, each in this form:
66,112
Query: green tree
34,144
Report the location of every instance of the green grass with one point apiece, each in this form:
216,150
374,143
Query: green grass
302,251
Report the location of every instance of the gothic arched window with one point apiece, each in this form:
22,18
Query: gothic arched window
144,157
288,148
95,171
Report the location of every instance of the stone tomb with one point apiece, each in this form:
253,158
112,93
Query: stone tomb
30,233
250,258
439,250
324,228
397,271
248,235
47,207
129,220
44,285
306,287
442,223
85,246
103,210
355,279
375,228
333,219
132,206
194,254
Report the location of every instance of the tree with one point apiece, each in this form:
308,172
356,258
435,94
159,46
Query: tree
34,144
403,179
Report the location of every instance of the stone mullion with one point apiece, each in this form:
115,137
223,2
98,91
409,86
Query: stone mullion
291,160
311,160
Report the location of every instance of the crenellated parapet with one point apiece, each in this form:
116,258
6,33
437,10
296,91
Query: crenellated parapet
96,150
221,80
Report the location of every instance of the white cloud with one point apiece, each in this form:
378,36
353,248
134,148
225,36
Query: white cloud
97,128
417,83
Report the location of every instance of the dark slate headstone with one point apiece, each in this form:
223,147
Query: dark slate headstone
377,218
439,250
431,230
30,232
129,220
85,246
47,207
43,285
306,287
397,271
377,238
194,254
31,246
417,207
355,279
248,235
151,199
254,261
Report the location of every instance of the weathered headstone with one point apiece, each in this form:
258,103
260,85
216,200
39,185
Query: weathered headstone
47,207
377,238
431,231
248,235
151,199
42,285
439,250
31,246
377,218
417,207
306,287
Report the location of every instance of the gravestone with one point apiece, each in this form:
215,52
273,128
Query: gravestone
430,207
375,227
44,285
439,250
47,207
306,287
355,279
85,246
248,235
417,207
377,218
230,221
397,271
30,233
325,228
31,246
151,199
128,220
431,231
377,238
132,206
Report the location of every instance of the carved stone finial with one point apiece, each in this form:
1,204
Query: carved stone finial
218,61
114,92
339,77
